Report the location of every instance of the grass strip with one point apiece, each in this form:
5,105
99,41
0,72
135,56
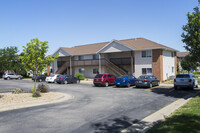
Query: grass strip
184,120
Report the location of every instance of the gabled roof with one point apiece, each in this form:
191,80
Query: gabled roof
85,49
136,44
182,54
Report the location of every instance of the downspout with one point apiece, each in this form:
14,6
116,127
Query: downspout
99,63
70,63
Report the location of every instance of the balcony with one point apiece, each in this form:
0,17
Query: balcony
87,62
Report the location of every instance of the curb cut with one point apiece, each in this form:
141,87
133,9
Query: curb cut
155,118
61,98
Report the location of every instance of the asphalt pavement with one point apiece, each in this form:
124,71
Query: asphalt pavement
93,109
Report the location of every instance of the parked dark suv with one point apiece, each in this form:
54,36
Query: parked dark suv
104,79
39,78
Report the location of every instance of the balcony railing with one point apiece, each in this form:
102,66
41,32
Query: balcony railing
92,62
95,62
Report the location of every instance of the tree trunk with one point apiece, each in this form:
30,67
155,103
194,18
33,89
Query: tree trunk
34,87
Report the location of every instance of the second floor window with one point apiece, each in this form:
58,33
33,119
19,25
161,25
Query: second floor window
95,56
80,57
147,53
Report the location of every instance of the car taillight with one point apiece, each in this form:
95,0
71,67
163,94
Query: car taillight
145,80
174,80
190,80
124,80
61,78
135,80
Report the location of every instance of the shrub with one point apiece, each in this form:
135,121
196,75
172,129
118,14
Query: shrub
43,88
36,94
79,76
17,91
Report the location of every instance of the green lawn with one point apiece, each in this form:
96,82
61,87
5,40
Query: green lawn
184,120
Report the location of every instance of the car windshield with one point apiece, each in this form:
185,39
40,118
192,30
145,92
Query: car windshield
122,76
63,76
183,76
143,77
99,76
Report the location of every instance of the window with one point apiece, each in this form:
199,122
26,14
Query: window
80,57
112,76
172,69
172,54
129,77
95,71
144,71
143,53
95,56
146,53
82,70
104,76
147,71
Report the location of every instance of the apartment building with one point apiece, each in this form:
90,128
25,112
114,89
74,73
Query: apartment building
137,56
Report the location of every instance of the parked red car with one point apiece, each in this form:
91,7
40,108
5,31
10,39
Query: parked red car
104,79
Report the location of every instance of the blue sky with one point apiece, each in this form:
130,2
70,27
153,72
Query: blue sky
66,23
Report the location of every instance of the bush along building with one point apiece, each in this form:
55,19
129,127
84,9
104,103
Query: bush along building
137,56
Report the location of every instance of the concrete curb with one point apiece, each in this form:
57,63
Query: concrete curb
86,82
148,122
62,97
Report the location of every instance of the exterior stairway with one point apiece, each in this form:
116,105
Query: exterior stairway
114,68
63,68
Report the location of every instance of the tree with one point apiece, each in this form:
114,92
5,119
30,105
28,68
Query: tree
9,59
34,59
191,34
188,63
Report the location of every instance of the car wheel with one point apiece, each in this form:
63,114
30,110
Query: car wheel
65,82
19,78
8,78
175,88
136,86
192,87
117,85
197,86
128,84
150,85
96,85
158,83
106,84
40,80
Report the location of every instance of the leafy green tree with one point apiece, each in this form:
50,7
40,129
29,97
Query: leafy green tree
191,34
9,59
188,63
34,58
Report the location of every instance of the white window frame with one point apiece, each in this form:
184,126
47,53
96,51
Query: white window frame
146,54
147,71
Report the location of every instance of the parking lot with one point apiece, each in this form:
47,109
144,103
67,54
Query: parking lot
93,109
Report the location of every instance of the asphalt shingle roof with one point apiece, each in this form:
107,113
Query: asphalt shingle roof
135,44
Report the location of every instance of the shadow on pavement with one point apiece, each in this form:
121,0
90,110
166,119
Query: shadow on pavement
113,125
170,92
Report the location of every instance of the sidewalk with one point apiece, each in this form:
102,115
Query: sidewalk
60,98
148,122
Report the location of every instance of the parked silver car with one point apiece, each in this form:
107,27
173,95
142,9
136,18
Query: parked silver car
186,80
12,76
147,81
